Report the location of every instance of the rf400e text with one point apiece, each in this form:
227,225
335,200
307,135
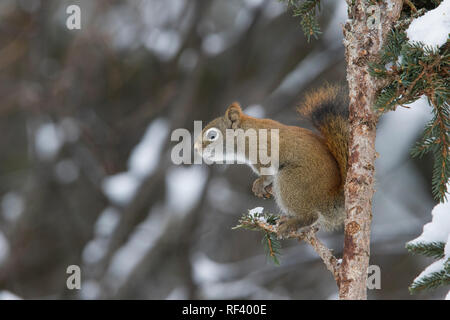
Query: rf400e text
241,309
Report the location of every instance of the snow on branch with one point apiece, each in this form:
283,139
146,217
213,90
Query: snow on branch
434,242
437,20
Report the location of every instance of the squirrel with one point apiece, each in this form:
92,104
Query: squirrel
308,184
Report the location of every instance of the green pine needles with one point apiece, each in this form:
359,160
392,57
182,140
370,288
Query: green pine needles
412,70
306,10
434,278
272,247
431,281
433,249
271,244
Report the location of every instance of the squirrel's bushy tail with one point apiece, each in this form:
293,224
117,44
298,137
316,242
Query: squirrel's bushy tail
327,108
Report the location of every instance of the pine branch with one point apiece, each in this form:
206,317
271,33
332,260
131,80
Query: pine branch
432,249
436,278
272,247
412,70
306,10
270,241
268,224
431,281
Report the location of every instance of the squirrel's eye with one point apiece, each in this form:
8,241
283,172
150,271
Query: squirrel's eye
212,134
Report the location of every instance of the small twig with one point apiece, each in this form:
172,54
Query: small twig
325,253
269,241
309,236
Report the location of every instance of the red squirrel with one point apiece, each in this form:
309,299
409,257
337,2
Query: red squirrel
308,184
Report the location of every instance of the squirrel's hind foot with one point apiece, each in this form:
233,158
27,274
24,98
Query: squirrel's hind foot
289,224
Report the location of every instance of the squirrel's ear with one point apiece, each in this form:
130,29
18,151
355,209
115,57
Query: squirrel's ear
233,115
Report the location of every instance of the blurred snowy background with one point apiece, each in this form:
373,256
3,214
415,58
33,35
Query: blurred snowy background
85,170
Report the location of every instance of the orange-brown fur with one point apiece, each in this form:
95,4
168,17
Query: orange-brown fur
334,127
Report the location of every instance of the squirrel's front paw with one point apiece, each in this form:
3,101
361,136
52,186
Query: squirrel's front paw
260,190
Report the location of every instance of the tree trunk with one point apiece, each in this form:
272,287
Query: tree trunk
363,37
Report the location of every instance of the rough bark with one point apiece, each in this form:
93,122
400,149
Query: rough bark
362,41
